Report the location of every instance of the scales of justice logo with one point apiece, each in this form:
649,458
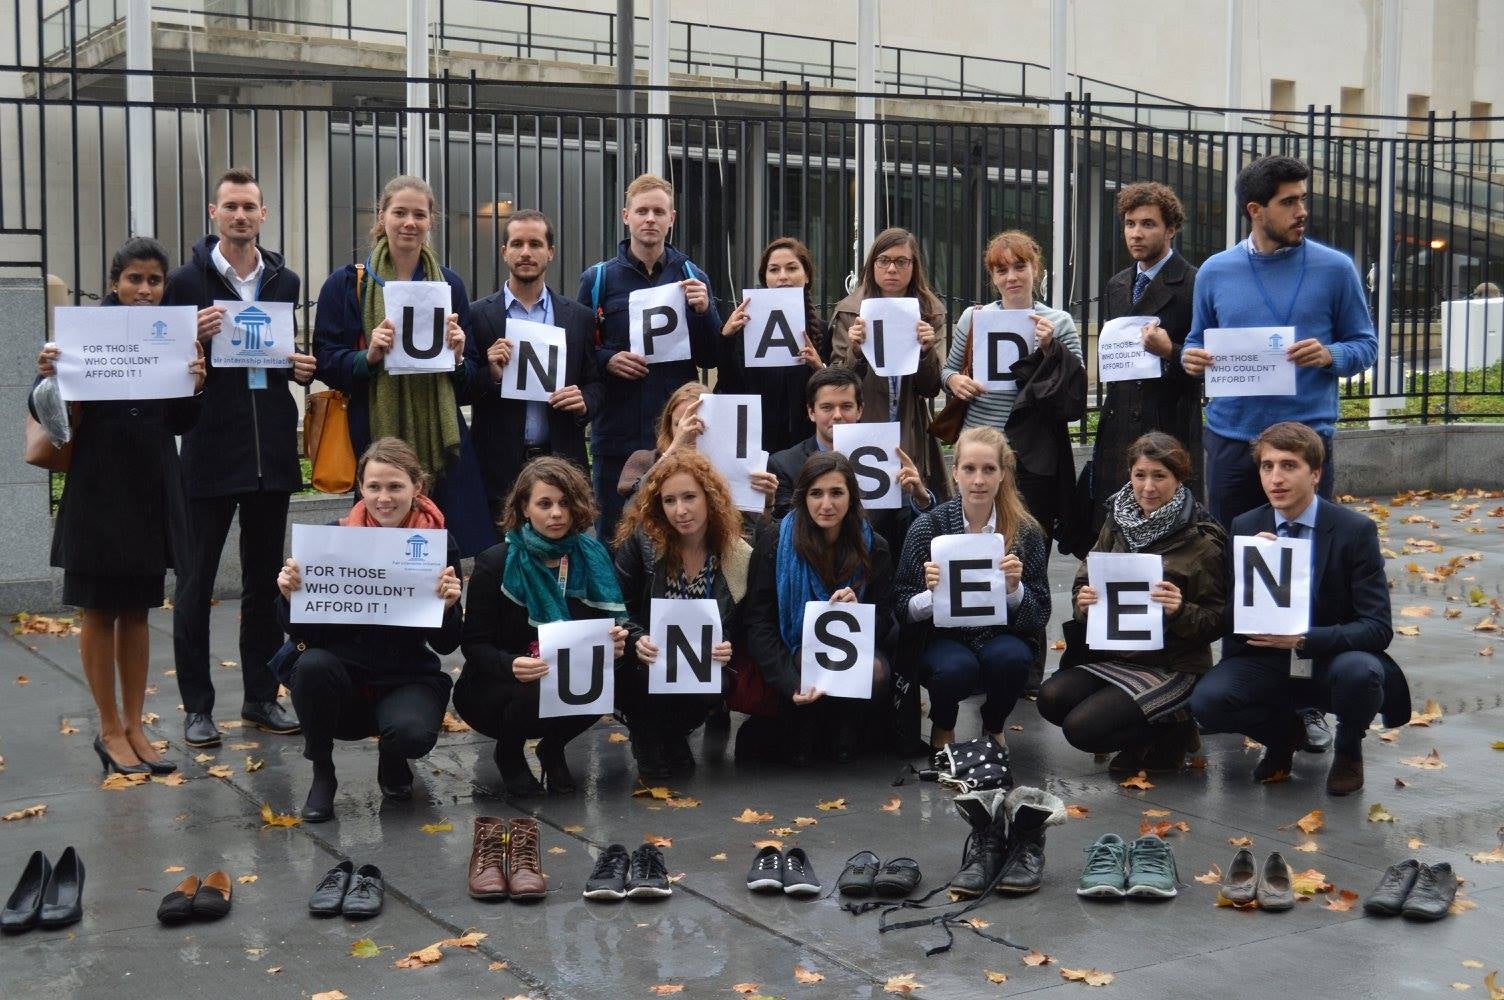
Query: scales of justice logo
252,332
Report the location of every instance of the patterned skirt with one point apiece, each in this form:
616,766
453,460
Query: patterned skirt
1157,693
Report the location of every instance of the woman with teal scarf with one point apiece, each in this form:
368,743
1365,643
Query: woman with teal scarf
546,569
822,550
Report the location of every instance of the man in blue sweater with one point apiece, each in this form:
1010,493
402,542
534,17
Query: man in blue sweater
636,391
1277,277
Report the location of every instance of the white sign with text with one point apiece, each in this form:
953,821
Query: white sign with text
1000,338
535,371
891,345
658,323
873,450
686,633
774,334
837,649
419,313
125,352
973,591
369,576
253,335
1250,361
581,678
1124,618
1120,350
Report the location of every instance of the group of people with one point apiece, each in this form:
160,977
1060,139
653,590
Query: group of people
561,532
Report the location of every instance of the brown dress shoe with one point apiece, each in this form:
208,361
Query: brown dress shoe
488,859
1346,775
524,870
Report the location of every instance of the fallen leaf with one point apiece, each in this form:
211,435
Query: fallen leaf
1430,762
1240,841
116,782
1451,613
22,680
1482,857
1309,847
227,664
150,718
172,869
247,879
618,737
365,948
997,977
1074,811
1415,843
760,844
240,747
1140,781
752,816
1310,882
894,804
1211,877
469,939
423,956
681,802
556,850
1430,713
1486,651
1497,745
1224,902
203,758
977,923
1407,629
1495,991
807,976
1471,963
677,877
802,821
1461,986
574,829
221,771
442,826
1058,645
272,818
252,765
326,995
657,841
1156,813
454,724
902,984
1489,624
1416,611
1163,828
718,856
746,988
1391,736
67,728
658,792
831,805
666,989
1091,977
1343,901
781,831
1035,958
498,966
174,779
1312,822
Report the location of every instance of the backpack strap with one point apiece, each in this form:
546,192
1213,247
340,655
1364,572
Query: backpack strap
360,283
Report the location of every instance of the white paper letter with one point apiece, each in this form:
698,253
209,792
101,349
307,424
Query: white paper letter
536,368
1271,585
1000,338
656,323
891,346
581,678
733,443
973,591
419,311
837,650
1124,618
685,632
873,450
774,334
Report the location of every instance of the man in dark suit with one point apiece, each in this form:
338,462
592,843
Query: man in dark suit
1255,690
1160,284
509,432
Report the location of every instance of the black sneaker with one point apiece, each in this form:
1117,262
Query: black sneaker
608,879
799,878
766,873
1431,896
1388,897
648,878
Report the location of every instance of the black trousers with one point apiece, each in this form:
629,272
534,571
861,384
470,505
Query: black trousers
670,714
332,705
263,524
507,711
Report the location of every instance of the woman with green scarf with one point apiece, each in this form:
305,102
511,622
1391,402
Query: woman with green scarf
351,337
546,569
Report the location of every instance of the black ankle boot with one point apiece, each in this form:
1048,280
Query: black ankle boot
319,806
556,776
986,844
394,776
1030,811
516,776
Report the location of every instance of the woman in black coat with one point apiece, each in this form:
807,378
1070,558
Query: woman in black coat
546,569
351,682
680,538
122,523
823,549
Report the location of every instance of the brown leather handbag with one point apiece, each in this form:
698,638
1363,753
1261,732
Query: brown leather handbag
41,452
947,424
326,430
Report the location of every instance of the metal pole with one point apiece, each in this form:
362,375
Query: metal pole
1234,121
417,93
866,112
138,90
658,103
1059,174
1389,104
626,97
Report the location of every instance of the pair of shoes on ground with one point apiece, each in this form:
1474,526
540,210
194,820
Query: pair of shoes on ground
865,875
199,730
618,875
1004,851
1302,732
517,778
1165,755
393,775
505,861
113,766
1414,890
355,892
197,899
1272,887
789,872
1115,869
46,895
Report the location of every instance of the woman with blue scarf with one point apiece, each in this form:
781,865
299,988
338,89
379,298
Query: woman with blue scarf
546,569
822,550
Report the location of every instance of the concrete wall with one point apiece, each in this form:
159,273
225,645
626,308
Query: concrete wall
26,529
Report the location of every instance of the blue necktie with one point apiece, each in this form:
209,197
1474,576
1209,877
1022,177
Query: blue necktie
1140,282
1290,529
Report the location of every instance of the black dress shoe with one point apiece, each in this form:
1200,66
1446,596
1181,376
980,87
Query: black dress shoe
319,806
1318,735
394,776
63,900
1431,896
1388,897
199,730
212,900
329,897
857,878
111,764
271,717
177,906
363,901
1279,758
24,907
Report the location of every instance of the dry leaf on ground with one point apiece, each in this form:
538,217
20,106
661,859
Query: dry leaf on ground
67,728
1471,963
556,850
1494,856
805,821
270,817
221,771
172,869
252,765
1343,901
618,737
1378,814
326,995
666,989
657,841
116,782
977,923
1240,841
807,976
902,984
365,948
469,939
1312,822
174,779
574,829
1140,781
1430,762
831,805
1091,977
718,856
781,831
750,815
1223,902
1491,983
1429,713
498,966
423,956
1163,828
247,879
442,826
760,844
1416,611
995,977
1309,847
1074,811
1415,843
1407,630
681,802
893,805
1212,877
1310,882
27,813
1034,957
454,724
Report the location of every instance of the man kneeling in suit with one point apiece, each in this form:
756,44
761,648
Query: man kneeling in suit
1254,690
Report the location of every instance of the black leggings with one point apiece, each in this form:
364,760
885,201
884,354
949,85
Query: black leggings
507,711
1095,715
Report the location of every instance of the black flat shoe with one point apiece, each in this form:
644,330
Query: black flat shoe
212,901
24,907
367,891
177,906
111,764
329,897
63,901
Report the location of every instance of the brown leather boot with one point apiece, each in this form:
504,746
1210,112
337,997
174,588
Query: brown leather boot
488,859
1346,775
524,869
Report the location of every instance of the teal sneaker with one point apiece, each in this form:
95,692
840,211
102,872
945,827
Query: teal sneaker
1106,871
1151,869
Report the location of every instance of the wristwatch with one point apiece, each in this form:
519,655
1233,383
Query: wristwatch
1300,644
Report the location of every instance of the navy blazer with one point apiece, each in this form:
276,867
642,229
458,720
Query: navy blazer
1350,597
497,424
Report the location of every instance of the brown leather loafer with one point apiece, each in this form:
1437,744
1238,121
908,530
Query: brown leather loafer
488,859
524,870
1346,775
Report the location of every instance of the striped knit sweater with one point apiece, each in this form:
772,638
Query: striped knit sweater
992,408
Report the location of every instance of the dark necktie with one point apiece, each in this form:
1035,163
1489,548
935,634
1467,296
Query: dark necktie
1140,282
1290,529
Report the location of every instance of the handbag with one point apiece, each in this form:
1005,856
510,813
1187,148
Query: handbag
41,452
974,766
326,429
749,692
946,425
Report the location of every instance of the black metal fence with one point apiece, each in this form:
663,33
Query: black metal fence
751,166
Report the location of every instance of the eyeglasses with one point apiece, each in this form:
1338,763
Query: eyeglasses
886,263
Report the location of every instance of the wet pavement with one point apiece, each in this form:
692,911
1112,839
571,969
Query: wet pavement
713,934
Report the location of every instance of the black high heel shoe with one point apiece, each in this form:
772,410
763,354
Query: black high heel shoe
25,904
556,776
63,901
111,764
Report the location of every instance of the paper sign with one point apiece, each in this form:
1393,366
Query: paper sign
891,346
774,334
837,649
973,590
581,678
1271,585
657,326
732,441
686,633
1000,339
125,352
539,358
369,576
419,312
1250,361
1120,350
873,450
1124,618
252,335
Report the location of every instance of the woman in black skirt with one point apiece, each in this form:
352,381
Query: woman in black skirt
122,523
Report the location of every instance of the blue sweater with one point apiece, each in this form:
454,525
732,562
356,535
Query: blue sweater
1332,309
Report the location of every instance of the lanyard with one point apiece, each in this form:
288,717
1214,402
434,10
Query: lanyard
1294,299
563,574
